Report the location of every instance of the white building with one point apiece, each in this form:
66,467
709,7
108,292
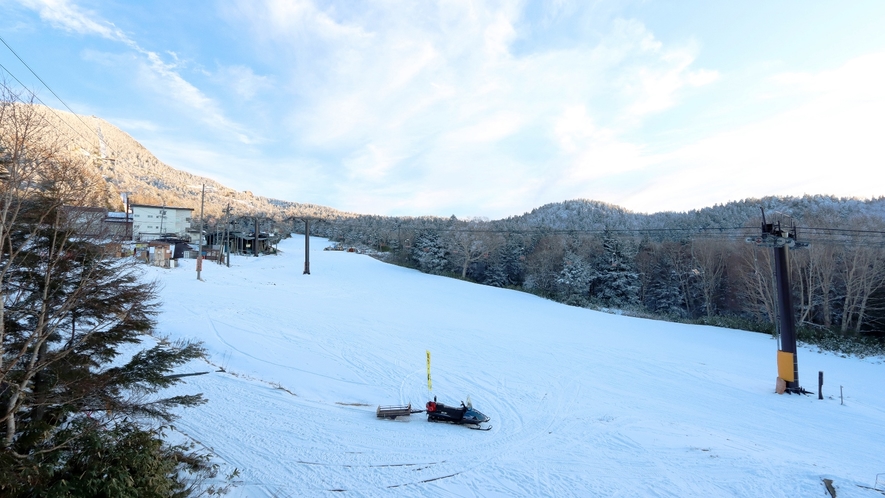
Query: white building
153,222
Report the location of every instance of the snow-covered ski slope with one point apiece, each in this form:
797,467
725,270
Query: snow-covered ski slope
582,403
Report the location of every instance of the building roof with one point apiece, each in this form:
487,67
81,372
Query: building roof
160,207
84,209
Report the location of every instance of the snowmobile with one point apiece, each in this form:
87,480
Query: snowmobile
465,415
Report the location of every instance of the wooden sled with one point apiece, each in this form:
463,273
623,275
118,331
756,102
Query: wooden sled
393,411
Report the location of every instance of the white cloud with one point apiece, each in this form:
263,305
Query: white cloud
830,143
162,77
371,163
431,94
242,80
489,129
67,16
427,106
590,152
573,128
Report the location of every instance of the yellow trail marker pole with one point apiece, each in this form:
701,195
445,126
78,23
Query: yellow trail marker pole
429,384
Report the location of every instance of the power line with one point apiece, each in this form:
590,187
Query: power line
555,231
848,230
41,81
865,238
34,95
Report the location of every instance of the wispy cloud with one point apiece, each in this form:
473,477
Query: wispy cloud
242,80
162,77
827,144
65,15
493,107
439,85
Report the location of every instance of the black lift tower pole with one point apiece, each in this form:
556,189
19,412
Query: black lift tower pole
306,220
780,239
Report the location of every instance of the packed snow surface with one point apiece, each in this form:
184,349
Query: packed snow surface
582,403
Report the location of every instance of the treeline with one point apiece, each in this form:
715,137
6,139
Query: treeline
695,266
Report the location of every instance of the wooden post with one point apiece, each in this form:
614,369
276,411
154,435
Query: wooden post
820,385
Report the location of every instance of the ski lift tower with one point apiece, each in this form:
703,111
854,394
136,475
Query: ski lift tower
779,239
306,220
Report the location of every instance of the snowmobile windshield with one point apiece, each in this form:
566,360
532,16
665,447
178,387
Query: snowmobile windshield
476,415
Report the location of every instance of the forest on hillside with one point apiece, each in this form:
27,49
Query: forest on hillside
696,266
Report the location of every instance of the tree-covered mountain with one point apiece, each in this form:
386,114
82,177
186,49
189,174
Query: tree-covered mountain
593,215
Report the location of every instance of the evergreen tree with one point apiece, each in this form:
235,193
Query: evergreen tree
574,280
496,275
664,296
68,311
615,281
512,257
429,253
72,423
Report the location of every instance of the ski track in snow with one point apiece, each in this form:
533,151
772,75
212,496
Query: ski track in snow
581,403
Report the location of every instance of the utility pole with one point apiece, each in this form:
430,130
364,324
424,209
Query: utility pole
306,246
200,250
128,235
227,234
216,240
780,239
163,218
255,242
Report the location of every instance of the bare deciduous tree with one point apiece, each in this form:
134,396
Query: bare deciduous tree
544,263
757,285
863,273
469,243
709,256
678,255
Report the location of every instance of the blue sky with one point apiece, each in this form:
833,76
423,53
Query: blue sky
478,108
